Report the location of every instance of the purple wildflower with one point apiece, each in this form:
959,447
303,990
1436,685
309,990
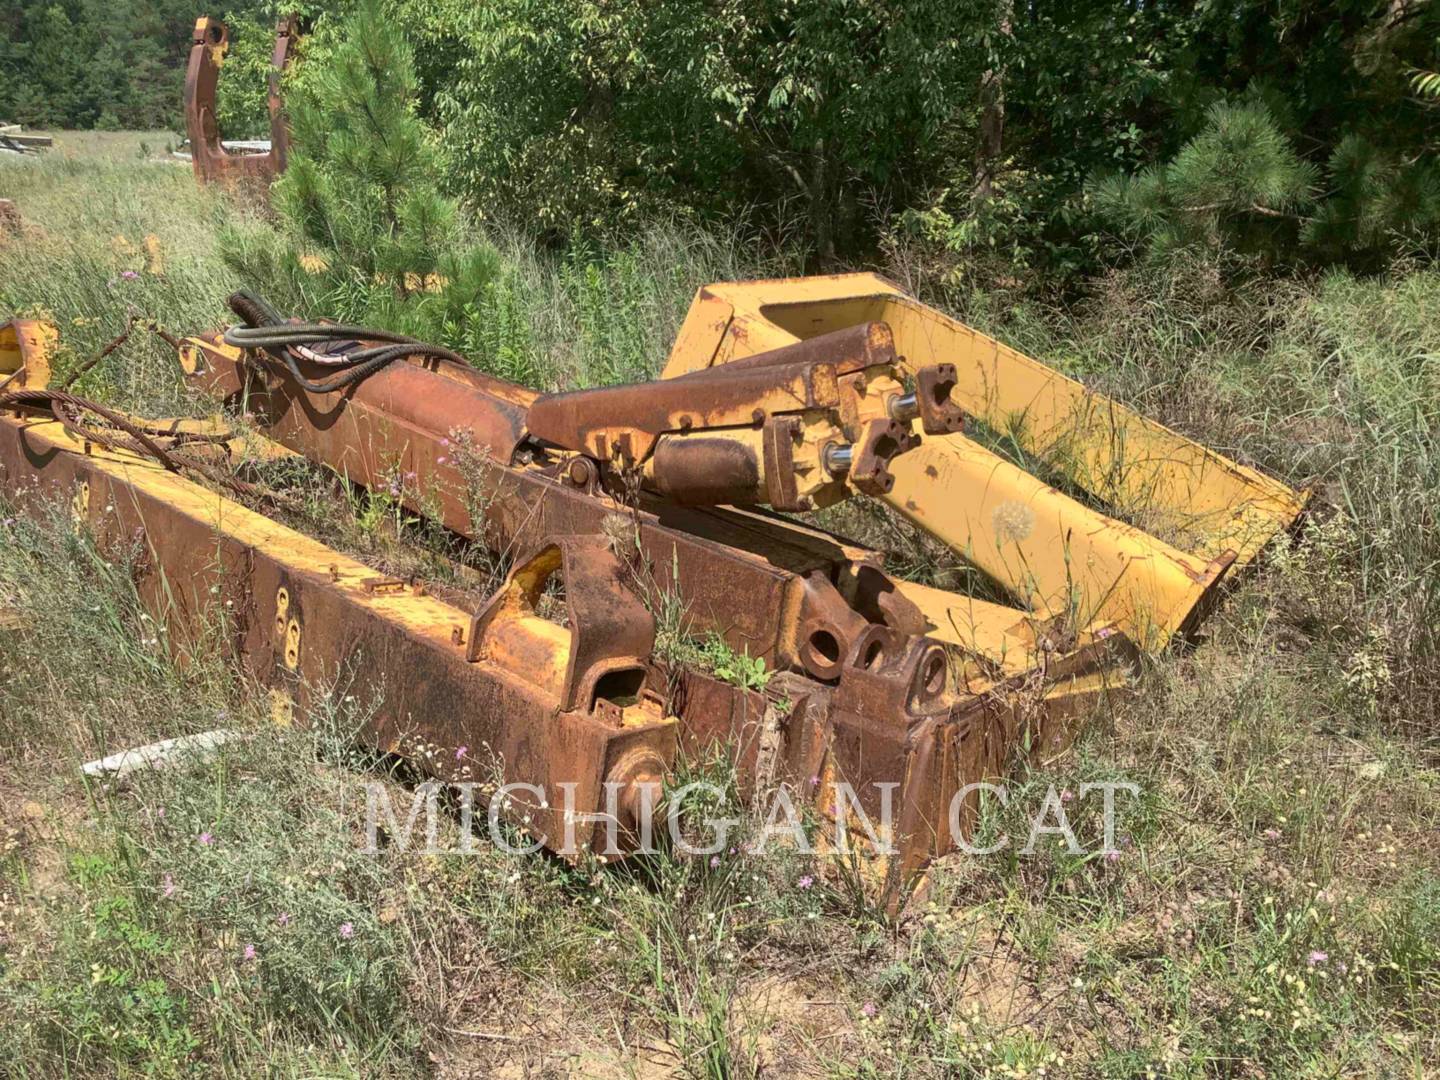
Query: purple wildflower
868,1010
249,953
283,919
129,275
167,887
206,839
347,931
714,861
805,882
1317,956
460,752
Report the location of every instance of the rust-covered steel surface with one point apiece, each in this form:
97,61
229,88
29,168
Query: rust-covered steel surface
213,163
305,619
784,395
740,575
802,427
507,690
877,692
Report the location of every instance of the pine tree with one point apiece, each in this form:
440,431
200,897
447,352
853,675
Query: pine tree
360,192
1238,185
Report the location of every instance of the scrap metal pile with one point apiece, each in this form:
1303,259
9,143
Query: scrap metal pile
14,142
779,397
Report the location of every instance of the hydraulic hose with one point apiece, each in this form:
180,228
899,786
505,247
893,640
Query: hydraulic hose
266,330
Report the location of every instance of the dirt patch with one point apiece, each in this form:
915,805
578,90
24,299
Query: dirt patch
519,1030
781,1021
33,832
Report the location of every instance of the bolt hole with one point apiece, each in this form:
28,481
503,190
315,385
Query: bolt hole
932,680
825,646
619,687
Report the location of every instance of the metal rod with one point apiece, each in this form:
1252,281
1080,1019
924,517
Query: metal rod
838,457
904,408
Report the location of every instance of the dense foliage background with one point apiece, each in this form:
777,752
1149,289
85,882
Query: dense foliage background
1015,141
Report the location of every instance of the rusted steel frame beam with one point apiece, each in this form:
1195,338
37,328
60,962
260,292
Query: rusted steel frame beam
885,719
841,747
548,701
299,617
303,619
740,575
211,161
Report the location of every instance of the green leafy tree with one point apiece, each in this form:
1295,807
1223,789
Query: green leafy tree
242,98
584,114
106,63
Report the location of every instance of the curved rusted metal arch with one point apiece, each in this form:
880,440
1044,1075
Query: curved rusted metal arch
211,161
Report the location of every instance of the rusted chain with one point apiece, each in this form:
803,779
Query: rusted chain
138,439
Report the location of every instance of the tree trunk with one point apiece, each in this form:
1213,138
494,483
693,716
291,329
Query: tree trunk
991,143
822,208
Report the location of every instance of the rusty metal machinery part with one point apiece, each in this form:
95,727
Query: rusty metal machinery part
611,630
744,577
454,694
774,431
876,701
740,574
778,393
394,648
212,162
1060,554
931,401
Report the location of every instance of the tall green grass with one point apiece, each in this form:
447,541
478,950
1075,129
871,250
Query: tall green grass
551,320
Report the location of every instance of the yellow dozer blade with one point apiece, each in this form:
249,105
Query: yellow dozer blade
1125,524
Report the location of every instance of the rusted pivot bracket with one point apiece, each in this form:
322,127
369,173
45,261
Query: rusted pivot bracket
611,630
213,163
